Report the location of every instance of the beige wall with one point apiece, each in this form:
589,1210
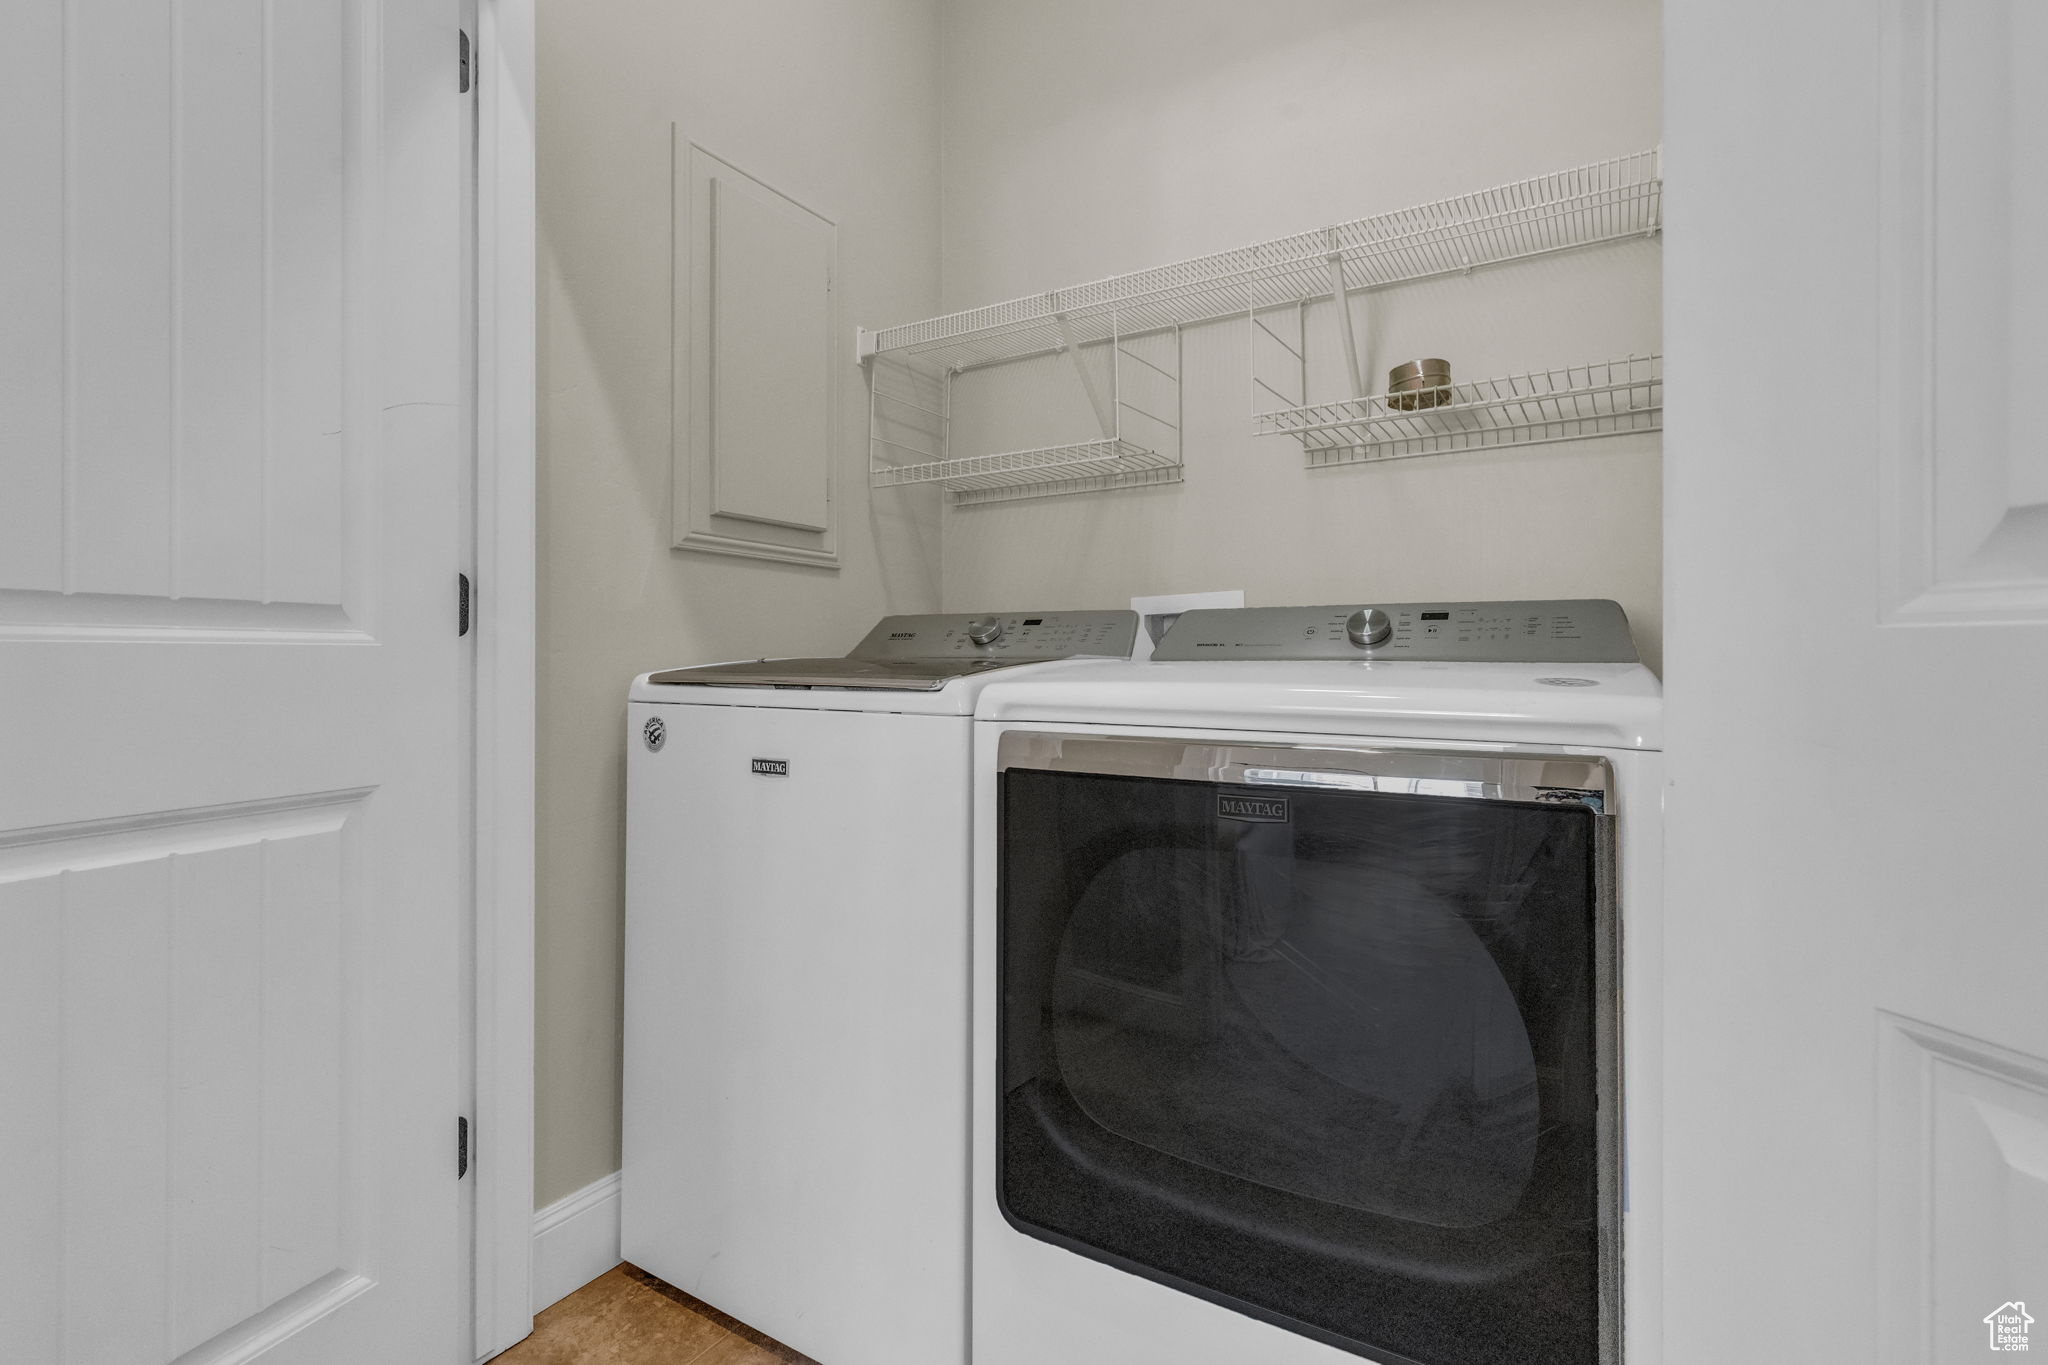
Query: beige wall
1084,139
1081,139
835,104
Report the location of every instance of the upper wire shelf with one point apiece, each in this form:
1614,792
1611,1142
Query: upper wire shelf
1608,398
1086,466
1600,202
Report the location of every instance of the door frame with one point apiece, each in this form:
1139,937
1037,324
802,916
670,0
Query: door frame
502,1267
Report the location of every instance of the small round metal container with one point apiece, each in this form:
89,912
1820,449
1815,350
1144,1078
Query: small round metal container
1419,384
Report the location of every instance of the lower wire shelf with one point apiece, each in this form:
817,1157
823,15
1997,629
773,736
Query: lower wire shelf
1606,398
1085,467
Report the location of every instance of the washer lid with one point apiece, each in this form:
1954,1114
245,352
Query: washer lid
924,653
893,675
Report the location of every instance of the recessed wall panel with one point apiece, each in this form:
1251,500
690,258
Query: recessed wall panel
754,435
770,412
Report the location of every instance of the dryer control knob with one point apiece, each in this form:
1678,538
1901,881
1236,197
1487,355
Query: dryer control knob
1369,626
985,630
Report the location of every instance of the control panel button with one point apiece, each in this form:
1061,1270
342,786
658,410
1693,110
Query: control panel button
985,630
1369,626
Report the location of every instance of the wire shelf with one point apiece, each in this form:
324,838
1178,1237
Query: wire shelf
1086,465
1062,487
1607,398
1600,202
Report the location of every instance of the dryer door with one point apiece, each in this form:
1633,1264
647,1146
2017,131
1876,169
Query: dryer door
1324,1035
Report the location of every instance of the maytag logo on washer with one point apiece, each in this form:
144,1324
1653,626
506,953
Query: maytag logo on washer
1268,809
772,767
655,733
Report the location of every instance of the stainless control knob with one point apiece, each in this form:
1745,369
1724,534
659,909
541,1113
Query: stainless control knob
985,630
1369,626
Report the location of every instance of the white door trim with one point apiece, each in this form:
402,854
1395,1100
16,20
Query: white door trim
504,620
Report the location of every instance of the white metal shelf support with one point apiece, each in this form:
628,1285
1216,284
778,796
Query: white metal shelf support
1353,370
1105,408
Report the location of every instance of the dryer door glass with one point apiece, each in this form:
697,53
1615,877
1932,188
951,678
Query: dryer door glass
1327,1056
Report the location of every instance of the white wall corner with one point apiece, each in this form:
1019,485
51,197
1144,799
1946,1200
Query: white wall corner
575,1240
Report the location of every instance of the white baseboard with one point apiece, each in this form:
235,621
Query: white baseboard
575,1240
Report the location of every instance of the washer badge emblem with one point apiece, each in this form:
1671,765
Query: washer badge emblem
655,732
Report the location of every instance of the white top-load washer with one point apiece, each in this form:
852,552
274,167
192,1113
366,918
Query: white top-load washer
796,979
1300,955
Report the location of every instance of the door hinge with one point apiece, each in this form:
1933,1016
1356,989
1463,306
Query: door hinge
462,64
462,604
461,1147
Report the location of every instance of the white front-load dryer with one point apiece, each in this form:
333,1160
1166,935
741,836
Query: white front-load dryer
1314,969
797,882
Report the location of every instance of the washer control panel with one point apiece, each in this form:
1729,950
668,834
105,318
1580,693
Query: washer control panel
1002,635
1587,630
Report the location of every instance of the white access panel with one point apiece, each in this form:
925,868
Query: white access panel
771,410
755,365
848,904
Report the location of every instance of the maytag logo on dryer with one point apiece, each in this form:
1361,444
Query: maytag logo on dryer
1270,810
772,767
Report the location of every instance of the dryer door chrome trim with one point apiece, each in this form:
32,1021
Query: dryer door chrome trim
1532,777
1547,779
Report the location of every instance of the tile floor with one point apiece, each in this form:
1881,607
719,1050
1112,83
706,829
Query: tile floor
627,1317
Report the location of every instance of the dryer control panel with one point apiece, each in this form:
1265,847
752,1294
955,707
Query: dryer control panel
1586,630
1016,635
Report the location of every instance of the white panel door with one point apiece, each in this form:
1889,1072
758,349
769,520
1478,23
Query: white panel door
230,808
1857,643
